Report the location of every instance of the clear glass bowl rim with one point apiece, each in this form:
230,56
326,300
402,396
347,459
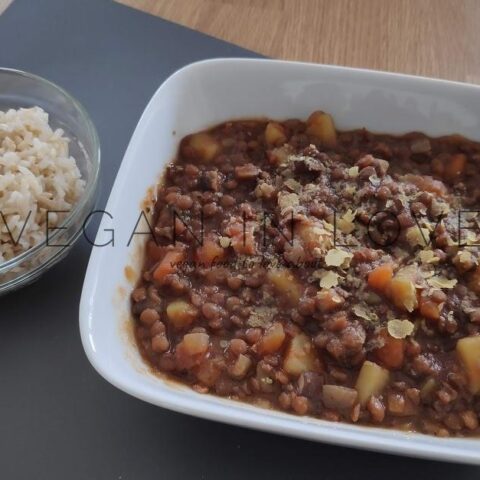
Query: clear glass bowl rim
89,188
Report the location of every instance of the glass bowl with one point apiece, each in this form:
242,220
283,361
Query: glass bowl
20,89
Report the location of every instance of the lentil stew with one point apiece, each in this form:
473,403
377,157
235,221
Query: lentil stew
319,272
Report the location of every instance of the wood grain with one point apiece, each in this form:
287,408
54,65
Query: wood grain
438,38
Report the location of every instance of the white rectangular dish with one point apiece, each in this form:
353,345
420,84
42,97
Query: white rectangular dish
201,95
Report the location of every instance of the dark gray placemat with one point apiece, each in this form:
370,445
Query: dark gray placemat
58,418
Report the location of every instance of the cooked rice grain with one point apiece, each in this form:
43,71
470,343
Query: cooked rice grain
36,175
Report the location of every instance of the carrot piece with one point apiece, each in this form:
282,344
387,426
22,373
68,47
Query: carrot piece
455,167
380,277
328,300
392,353
168,264
243,237
154,251
429,309
244,245
210,252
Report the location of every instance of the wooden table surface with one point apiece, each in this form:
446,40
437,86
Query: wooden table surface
437,38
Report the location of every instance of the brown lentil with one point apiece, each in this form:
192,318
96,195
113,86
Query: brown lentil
274,310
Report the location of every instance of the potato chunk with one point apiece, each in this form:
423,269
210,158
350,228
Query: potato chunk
313,236
275,134
371,380
468,349
427,183
321,125
168,264
192,349
285,284
241,366
338,397
402,289
204,146
272,340
428,388
474,280
301,356
210,252
208,372
181,313
195,343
